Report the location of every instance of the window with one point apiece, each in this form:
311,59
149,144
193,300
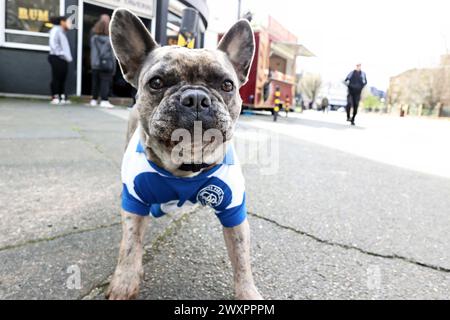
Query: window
173,27
25,23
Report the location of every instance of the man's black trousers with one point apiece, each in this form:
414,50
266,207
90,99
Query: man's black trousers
353,100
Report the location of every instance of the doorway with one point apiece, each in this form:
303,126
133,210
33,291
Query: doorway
120,88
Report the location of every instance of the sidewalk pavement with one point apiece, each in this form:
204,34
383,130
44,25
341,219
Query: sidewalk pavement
383,138
319,231
59,190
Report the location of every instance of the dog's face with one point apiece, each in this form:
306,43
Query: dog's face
181,89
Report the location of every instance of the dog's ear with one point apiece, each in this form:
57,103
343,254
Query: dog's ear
239,45
131,43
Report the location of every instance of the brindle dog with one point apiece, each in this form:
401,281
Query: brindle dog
165,77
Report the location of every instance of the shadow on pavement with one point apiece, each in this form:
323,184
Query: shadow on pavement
304,122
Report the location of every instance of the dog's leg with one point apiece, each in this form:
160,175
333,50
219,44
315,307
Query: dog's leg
129,271
237,240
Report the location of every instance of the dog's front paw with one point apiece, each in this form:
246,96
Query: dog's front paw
124,285
247,292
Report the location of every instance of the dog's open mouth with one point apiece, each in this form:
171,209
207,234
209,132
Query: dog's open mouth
192,167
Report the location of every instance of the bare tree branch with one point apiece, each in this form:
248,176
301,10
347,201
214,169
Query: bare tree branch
310,85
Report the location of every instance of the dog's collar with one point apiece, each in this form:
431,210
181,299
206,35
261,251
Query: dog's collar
228,159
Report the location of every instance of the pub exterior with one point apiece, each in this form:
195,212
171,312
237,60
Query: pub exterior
24,26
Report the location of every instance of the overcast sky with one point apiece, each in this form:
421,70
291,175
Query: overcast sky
386,36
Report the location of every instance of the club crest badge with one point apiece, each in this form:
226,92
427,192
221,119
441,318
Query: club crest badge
211,196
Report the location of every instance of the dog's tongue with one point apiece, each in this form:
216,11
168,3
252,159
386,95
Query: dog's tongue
193,167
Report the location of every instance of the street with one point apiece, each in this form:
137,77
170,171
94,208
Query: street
336,212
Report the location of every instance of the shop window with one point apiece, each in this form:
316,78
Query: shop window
25,39
26,22
173,27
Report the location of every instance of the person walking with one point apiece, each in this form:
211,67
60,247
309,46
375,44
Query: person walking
355,81
59,59
324,105
103,62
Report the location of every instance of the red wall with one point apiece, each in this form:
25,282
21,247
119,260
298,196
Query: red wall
249,88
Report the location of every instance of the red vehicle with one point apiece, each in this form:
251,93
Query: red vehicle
274,66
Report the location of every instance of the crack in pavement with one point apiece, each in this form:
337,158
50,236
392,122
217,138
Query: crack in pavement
59,236
96,147
176,223
350,247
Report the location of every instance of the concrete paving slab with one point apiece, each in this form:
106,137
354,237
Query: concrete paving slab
190,262
45,201
55,179
343,198
44,269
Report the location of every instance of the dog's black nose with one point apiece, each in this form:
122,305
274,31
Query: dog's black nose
195,98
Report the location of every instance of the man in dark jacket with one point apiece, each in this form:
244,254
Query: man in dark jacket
355,81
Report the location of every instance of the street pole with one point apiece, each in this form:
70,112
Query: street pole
188,29
239,9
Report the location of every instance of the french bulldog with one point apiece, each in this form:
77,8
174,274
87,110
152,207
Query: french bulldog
181,93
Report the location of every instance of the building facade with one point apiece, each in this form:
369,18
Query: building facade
424,91
24,26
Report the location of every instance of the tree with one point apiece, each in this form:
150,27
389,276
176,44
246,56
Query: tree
425,87
434,89
310,85
371,102
420,88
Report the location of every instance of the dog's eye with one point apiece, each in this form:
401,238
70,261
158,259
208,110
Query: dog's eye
227,86
156,83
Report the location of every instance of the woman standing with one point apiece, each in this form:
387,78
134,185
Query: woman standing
59,59
103,62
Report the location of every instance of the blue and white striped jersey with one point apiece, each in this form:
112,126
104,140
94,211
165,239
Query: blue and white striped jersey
147,188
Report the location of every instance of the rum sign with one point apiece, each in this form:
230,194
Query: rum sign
32,14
